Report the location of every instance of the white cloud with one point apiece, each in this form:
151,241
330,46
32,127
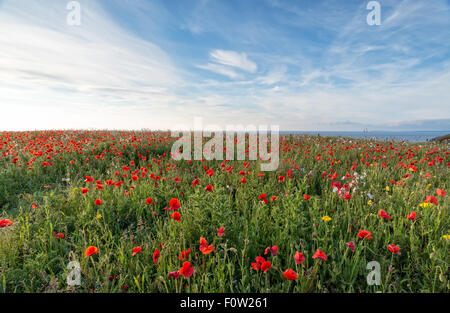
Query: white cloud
234,59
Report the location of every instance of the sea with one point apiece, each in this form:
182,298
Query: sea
410,136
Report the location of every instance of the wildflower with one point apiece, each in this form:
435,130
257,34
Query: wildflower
441,193
156,256
5,223
299,257
384,215
326,218
98,202
84,190
306,197
319,255
184,255
174,274
411,216
149,201
351,244
136,250
265,266
447,237
176,216
220,231
259,261
174,204
281,178
394,249
273,249
186,270
290,274
58,236
204,247
91,250
364,234
209,188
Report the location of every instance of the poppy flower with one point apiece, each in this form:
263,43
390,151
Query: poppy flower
149,201
174,204
186,270
394,249
58,236
174,274
351,244
411,216
98,202
184,255
281,178
364,234
441,193
195,182
136,250
257,265
176,216
204,247
209,188
319,255
265,266
89,179
290,274
156,256
91,250
306,197
347,196
273,249
220,231
431,199
384,215
84,190
299,257
5,223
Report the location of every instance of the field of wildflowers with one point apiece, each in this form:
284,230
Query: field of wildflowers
135,220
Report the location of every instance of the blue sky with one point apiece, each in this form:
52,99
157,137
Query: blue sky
302,65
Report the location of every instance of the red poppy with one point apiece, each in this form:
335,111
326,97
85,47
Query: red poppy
89,179
220,231
265,266
136,250
195,182
186,270
58,236
209,188
155,255
149,201
98,202
257,265
204,247
184,255
351,244
5,223
174,204
281,178
290,274
364,234
91,250
394,249
273,249
306,197
299,257
347,196
174,274
441,193
411,216
384,215
319,255
176,216
431,199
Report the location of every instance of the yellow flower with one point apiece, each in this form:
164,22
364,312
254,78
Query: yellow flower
429,185
99,216
369,202
387,188
75,189
326,218
425,204
446,237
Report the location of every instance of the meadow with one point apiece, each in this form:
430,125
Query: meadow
135,220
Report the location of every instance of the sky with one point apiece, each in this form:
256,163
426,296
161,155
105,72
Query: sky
302,65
